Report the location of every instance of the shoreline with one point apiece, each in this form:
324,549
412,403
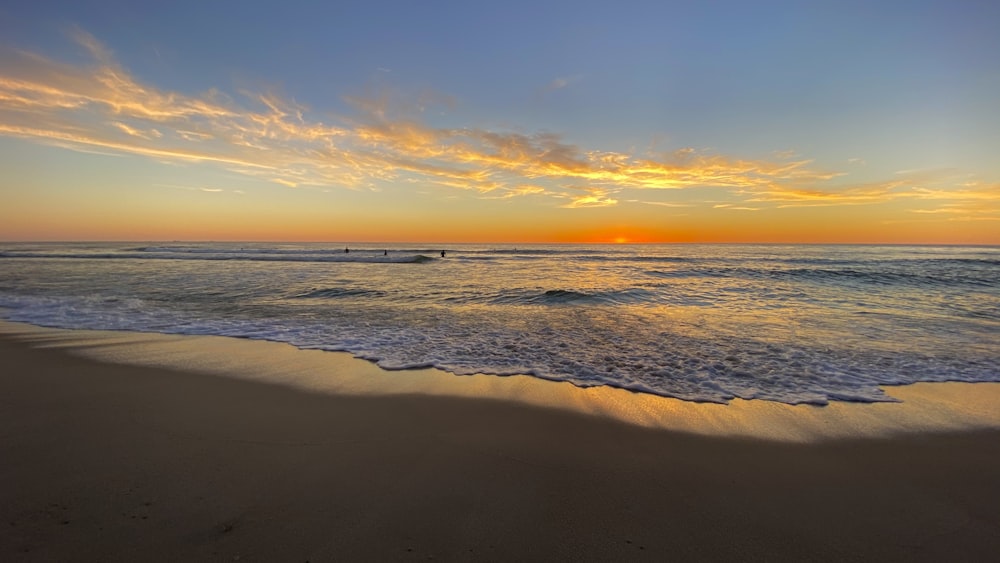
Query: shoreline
115,461
920,407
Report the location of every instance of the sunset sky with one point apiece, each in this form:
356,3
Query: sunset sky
510,121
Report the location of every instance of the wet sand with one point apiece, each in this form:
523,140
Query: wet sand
129,461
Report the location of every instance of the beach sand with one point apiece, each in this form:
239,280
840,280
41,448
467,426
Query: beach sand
127,447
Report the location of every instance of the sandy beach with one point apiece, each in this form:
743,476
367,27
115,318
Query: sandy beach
166,459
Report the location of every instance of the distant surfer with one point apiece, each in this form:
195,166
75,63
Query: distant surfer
347,250
442,254
385,253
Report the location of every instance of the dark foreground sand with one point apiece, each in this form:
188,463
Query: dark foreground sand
109,462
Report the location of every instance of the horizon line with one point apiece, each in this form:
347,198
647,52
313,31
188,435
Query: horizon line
510,243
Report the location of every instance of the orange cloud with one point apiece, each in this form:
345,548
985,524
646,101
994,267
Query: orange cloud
102,107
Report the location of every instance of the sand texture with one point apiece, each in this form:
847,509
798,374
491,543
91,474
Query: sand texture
103,461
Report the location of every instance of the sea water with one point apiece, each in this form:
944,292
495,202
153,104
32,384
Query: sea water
795,324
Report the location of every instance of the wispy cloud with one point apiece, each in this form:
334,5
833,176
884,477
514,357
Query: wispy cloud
523,190
128,130
973,202
561,82
592,197
660,203
205,189
101,107
731,207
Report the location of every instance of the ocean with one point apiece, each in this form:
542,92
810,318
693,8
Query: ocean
708,323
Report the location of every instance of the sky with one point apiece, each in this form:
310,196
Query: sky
714,121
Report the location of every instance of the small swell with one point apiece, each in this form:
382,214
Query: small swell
570,297
245,256
842,276
338,292
556,296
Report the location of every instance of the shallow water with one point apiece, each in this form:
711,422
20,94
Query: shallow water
795,324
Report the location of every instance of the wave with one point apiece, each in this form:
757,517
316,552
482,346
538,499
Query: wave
200,254
586,345
201,249
572,297
671,364
337,292
883,277
559,296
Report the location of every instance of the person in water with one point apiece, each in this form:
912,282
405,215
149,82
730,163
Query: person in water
442,254
347,250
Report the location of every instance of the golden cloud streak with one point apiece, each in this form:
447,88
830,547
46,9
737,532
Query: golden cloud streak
102,107
68,139
591,201
974,203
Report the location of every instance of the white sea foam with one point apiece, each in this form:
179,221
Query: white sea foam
788,324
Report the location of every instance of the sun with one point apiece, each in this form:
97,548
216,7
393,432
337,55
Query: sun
621,240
